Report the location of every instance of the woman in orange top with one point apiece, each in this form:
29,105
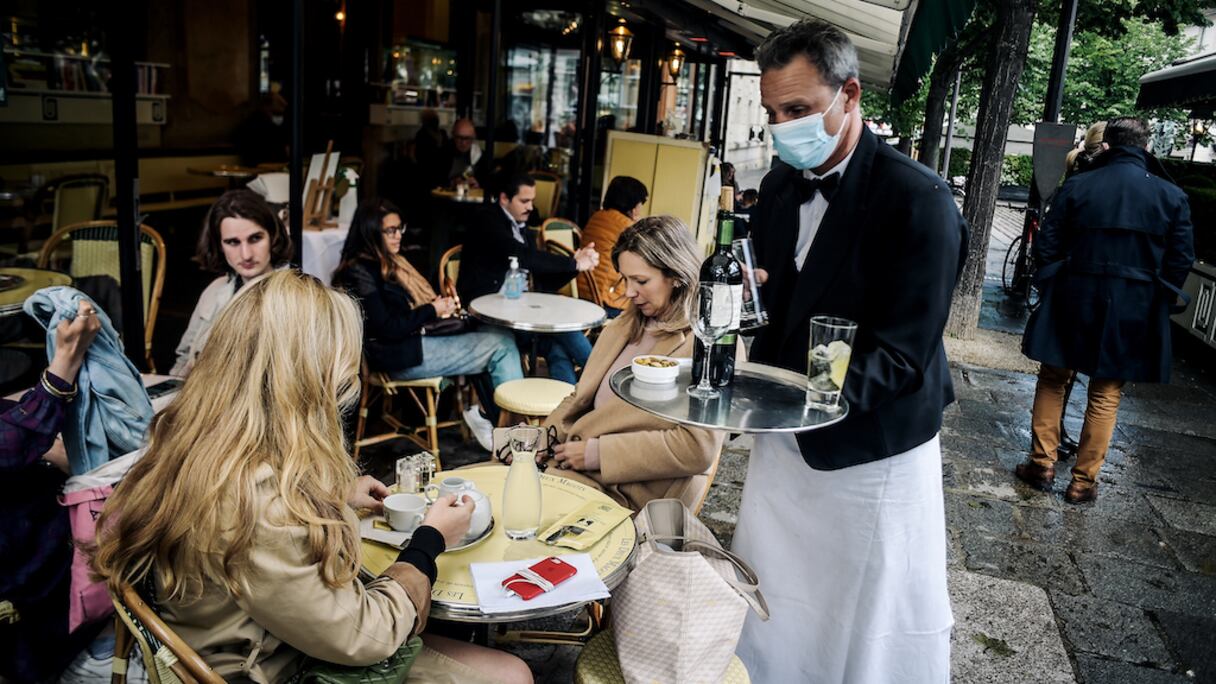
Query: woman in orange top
622,207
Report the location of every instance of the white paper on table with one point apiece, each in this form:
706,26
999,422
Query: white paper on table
586,585
368,530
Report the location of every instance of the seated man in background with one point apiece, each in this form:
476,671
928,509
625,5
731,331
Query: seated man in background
461,158
501,232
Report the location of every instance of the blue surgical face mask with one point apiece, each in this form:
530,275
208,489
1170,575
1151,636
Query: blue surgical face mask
804,143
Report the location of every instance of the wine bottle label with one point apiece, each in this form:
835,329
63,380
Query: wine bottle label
736,297
723,312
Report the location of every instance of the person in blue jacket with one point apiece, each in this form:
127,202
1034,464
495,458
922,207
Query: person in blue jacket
1113,254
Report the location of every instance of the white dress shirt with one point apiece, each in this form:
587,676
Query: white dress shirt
810,214
517,227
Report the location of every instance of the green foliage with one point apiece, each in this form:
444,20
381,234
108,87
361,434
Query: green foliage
905,119
1103,77
960,161
1110,52
1017,169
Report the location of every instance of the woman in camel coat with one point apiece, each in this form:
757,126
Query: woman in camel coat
632,455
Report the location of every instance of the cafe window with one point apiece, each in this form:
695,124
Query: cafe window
619,94
421,74
682,101
542,92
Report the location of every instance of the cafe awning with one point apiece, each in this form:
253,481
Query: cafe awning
895,39
1188,84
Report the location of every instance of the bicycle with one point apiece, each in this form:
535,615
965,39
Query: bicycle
1017,271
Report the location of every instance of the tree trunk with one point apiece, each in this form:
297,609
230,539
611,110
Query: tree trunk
940,83
905,144
1001,76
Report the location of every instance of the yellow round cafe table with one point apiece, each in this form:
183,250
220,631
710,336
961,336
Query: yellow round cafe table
17,284
453,596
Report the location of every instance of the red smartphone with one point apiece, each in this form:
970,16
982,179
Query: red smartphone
553,570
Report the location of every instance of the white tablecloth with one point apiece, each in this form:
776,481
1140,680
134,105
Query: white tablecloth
322,250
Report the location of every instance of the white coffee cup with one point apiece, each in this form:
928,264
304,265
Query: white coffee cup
460,487
404,512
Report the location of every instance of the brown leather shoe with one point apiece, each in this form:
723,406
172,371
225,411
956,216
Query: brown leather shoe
1079,492
1035,475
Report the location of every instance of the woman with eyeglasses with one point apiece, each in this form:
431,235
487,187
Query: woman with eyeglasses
399,303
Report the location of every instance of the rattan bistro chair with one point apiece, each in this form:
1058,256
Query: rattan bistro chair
562,231
91,248
167,658
449,271
548,193
424,392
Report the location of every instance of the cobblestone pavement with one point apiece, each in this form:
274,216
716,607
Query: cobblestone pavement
1120,590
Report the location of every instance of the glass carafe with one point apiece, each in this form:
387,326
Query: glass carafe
521,498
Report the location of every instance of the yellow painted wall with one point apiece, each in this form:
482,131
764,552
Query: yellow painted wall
672,170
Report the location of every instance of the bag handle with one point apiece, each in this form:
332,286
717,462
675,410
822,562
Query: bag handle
749,588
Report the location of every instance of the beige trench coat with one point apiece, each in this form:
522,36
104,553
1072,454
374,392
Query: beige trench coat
642,457
286,611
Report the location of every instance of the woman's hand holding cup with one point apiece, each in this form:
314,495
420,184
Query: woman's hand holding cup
451,518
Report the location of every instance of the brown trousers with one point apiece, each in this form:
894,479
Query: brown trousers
1100,415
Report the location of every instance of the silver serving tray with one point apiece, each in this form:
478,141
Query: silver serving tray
760,399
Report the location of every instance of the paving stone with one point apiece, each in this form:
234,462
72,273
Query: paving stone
1196,552
1174,443
732,467
1039,564
1186,515
1096,670
990,481
1004,632
1114,502
720,512
1114,630
1193,640
1149,587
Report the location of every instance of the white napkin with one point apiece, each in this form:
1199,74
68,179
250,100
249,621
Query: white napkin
274,187
586,585
368,530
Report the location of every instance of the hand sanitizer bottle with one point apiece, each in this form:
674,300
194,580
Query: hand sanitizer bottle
512,287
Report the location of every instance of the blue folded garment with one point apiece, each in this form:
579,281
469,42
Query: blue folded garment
111,412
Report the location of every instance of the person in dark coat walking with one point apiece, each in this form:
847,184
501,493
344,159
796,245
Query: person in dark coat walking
1113,254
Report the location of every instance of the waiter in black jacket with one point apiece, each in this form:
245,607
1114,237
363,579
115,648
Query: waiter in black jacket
845,525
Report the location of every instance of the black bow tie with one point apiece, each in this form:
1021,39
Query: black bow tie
807,187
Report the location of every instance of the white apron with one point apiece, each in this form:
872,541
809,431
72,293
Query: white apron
853,564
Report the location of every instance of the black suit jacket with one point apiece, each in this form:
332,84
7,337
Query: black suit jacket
887,255
484,258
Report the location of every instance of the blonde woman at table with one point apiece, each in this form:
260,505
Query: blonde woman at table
399,305
632,455
243,239
239,526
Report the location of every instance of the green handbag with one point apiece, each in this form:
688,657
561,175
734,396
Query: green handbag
392,670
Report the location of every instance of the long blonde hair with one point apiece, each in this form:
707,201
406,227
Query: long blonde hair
1091,146
665,243
268,389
